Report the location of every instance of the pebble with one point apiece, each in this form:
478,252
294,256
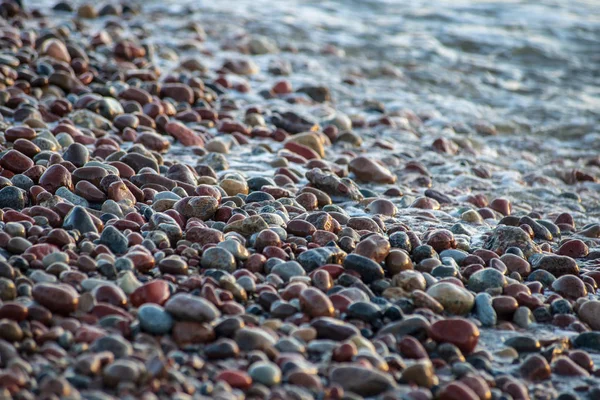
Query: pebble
360,380
266,373
218,258
535,368
589,312
456,300
154,319
569,286
484,310
485,279
458,331
191,308
368,170
288,270
368,269
59,298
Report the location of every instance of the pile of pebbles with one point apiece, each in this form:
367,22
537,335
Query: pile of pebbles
136,262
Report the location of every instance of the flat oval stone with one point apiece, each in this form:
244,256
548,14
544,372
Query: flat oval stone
288,270
59,298
557,265
156,291
456,300
249,339
570,286
333,329
235,379
315,303
154,319
368,170
266,373
191,308
218,258
458,331
488,278
188,332
360,380
457,391
368,269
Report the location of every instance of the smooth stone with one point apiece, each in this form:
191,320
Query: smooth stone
523,344
121,372
156,291
112,238
457,391
203,207
288,270
458,331
154,319
523,317
247,226
556,265
189,333
517,264
368,170
587,341
333,329
191,308
12,197
368,269
364,311
59,298
78,218
315,303
421,374
535,368
218,258
8,289
488,278
484,311
317,257
235,379
564,366
249,339
360,380
570,286
266,373
72,197
589,312
416,326
116,344
456,300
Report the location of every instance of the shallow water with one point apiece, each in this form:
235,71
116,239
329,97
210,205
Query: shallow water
528,69
511,62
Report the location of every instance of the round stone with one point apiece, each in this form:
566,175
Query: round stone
589,312
218,258
154,319
570,286
458,331
488,278
266,373
456,300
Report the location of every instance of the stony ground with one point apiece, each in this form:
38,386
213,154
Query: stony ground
186,223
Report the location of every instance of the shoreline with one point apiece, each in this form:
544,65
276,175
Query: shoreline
190,211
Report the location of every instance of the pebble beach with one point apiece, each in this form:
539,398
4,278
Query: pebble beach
334,200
